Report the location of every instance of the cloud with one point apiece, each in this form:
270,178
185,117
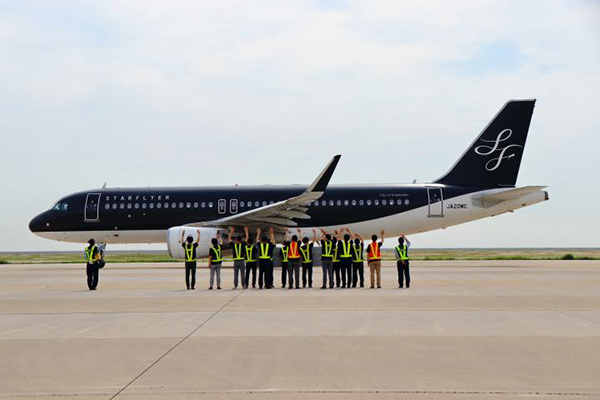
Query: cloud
180,93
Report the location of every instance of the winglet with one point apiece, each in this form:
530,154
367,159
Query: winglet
320,184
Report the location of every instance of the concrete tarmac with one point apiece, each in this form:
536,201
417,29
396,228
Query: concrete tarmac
464,330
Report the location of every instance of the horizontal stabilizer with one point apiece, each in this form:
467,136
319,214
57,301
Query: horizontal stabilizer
493,197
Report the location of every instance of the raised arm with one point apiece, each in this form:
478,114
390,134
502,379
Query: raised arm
231,230
258,231
272,235
247,234
314,236
382,236
406,240
182,235
198,240
219,238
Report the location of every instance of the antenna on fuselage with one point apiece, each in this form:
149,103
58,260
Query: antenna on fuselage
104,186
415,181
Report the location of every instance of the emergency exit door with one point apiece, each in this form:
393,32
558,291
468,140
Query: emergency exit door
91,212
436,202
233,206
222,206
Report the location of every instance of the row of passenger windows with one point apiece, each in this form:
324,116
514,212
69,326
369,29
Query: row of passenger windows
249,204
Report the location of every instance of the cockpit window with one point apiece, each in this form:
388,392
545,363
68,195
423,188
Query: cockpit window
60,207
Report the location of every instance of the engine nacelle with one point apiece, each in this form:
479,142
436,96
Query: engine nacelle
174,236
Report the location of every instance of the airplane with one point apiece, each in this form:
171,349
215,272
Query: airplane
480,184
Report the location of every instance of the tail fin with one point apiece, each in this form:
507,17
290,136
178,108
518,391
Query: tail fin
493,159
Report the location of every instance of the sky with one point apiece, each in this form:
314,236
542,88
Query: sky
189,93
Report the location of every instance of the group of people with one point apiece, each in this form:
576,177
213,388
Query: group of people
342,260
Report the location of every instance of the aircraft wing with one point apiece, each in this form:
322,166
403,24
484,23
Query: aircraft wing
280,214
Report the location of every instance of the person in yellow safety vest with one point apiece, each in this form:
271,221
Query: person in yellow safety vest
285,248
265,261
374,259
294,262
190,247
92,269
251,259
358,269
401,252
238,248
336,260
326,259
307,260
344,252
215,259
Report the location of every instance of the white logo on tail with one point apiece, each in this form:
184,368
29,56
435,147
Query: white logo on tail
486,150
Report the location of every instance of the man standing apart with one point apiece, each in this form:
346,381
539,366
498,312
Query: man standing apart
239,263
374,259
358,261
215,258
92,269
190,247
402,261
327,259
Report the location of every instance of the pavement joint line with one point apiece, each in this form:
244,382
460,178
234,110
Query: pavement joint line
177,344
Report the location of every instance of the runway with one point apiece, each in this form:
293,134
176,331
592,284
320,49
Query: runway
465,330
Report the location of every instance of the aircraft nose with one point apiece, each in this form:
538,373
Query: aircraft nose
37,223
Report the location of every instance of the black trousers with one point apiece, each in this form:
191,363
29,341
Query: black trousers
92,272
358,273
190,272
265,273
346,271
251,266
270,275
284,272
403,272
336,272
307,271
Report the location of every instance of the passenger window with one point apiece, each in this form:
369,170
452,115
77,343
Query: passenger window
376,202
242,204
122,206
136,206
271,202
180,205
346,202
331,202
339,202
195,204
353,202
158,205
368,202
203,204
384,202
210,204
188,205
129,206
144,206
107,206
166,205
361,202
391,202
114,206
315,203
406,202
173,205
324,203
151,205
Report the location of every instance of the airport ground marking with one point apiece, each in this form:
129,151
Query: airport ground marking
178,343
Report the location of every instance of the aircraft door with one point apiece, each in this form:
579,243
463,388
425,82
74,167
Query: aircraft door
91,212
436,202
233,206
222,205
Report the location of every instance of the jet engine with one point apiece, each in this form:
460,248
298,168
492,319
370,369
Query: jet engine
174,237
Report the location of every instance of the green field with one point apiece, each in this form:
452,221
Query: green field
416,254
